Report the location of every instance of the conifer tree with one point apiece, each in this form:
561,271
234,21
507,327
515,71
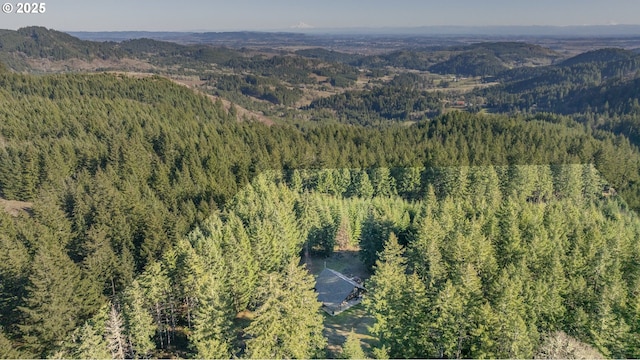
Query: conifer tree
484,188
375,229
206,270
521,181
383,184
343,179
54,302
610,331
543,190
361,184
155,285
325,182
30,174
139,323
509,248
287,323
592,184
100,262
47,212
88,341
419,337
409,183
10,181
187,278
239,257
449,315
8,348
425,251
568,181
518,339
485,336
352,349
15,263
211,319
296,183
385,300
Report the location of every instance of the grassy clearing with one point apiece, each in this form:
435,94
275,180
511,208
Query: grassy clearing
336,329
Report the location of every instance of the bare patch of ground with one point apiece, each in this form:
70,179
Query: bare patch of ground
15,208
132,74
362,81
312,94
188,81
318,78
245,315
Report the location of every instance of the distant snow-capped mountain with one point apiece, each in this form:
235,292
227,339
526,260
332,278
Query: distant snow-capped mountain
301,25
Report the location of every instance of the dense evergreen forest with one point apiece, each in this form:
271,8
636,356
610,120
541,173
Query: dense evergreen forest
380,105
162,223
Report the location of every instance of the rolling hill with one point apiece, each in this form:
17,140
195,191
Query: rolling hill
491,58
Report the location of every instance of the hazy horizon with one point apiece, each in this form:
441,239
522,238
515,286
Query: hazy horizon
278,15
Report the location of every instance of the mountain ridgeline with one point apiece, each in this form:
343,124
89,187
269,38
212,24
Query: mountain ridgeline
482,59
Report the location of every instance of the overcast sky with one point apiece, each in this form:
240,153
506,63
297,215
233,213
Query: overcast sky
219,15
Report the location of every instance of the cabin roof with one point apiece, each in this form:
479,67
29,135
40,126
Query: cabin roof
333,287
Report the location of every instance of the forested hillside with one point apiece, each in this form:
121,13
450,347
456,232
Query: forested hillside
150,219
120,170
569,86
376,107
489,59
480,59
41,42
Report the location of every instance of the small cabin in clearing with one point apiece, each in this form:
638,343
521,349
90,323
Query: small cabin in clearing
337,292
